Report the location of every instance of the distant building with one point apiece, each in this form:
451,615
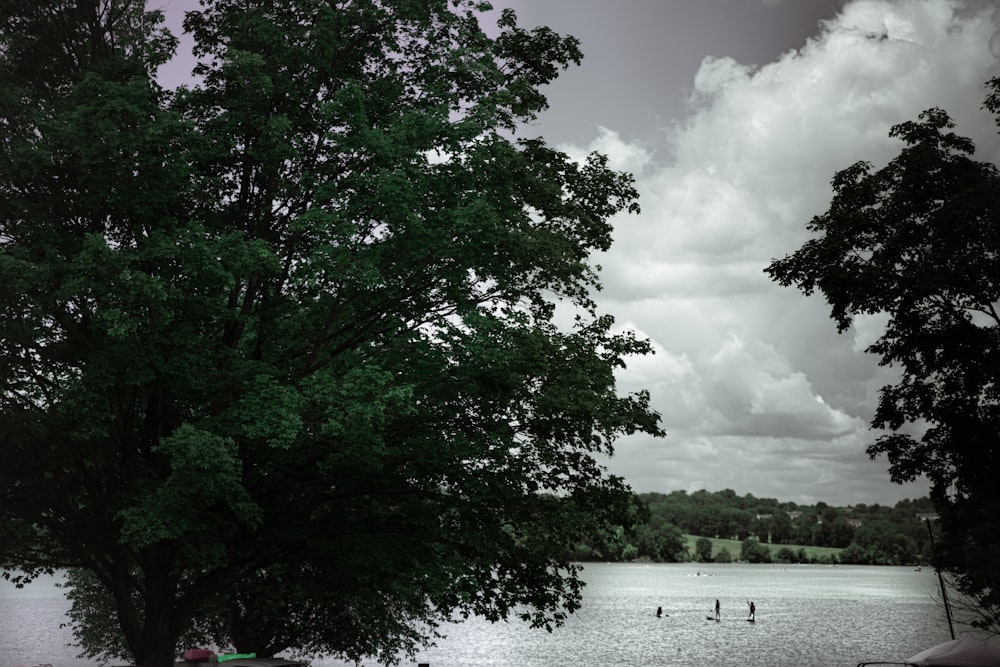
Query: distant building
927,516
794,514
856,523
763,516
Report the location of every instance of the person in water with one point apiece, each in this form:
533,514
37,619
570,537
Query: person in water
659,612
753,611
717,611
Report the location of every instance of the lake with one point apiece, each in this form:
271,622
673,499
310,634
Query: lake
807,616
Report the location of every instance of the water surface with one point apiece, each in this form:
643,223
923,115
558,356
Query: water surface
807,616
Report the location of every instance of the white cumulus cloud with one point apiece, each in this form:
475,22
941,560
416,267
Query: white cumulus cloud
757,391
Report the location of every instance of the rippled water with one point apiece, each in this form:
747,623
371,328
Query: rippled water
807,616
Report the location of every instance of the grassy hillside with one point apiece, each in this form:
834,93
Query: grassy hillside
734,547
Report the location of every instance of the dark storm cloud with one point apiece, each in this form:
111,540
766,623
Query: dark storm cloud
640,56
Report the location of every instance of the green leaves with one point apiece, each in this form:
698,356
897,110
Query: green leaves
271,412
283,339
205,472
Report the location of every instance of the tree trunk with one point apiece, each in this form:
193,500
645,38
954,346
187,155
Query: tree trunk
160,628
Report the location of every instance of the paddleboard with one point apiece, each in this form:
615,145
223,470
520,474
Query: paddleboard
751,620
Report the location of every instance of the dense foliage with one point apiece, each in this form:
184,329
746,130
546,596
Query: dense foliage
918,241
279,358
863,534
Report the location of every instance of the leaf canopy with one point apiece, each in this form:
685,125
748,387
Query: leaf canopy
279,352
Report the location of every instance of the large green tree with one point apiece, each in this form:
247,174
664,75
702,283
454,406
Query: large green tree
919,241
279,355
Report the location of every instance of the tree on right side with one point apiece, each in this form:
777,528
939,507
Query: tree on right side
919,241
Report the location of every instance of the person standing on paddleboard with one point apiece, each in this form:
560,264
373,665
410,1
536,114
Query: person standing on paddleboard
718,610
753,611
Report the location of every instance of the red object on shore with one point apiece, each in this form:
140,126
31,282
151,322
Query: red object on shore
197,654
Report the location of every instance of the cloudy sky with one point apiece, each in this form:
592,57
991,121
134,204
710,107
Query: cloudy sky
734,115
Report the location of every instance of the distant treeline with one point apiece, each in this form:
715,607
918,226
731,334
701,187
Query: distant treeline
763,527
